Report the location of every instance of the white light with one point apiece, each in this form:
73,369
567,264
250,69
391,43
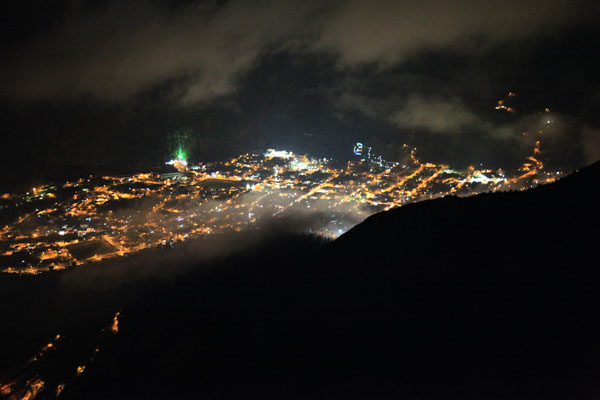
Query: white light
271,153
173,162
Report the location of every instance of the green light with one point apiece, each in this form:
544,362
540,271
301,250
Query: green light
180,154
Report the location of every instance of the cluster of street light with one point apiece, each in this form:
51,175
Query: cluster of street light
59,226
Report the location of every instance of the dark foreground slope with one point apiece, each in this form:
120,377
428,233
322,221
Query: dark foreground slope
490,297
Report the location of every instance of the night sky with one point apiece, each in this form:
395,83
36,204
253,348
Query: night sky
93,87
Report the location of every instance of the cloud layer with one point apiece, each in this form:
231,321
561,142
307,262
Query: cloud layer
129,48
200,53
387,31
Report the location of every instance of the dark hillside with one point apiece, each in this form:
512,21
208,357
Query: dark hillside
564,204
490,297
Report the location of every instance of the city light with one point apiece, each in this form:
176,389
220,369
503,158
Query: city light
99,218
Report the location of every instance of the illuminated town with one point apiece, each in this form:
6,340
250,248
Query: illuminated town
60,226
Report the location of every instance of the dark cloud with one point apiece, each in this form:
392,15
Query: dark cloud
591,144
116,52
436,115
131,47
388,31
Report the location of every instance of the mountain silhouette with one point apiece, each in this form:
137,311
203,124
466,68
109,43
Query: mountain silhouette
493,296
